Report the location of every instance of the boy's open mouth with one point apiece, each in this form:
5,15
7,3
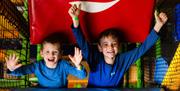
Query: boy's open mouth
110,52
51,60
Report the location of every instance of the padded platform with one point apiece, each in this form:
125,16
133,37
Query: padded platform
131,17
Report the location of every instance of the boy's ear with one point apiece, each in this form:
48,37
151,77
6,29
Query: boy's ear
99,48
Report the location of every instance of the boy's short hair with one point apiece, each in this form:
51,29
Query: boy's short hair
54,38
115,33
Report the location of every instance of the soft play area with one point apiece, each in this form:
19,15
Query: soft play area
25,23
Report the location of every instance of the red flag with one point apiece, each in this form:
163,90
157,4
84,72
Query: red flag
131,17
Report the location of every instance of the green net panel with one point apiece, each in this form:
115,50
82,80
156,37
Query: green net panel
14,38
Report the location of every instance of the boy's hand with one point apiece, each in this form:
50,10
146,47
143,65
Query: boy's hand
77,58
74,12
12,62
161,19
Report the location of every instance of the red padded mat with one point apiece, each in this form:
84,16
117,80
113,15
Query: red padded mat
131,17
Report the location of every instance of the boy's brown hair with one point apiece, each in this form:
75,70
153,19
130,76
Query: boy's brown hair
54,38
110,32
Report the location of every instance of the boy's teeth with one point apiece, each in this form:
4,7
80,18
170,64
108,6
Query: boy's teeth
50,60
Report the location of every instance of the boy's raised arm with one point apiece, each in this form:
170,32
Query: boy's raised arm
151,39
74,12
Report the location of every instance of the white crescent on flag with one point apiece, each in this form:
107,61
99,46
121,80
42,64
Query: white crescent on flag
94,7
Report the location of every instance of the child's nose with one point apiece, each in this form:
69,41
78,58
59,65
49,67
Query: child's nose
111,46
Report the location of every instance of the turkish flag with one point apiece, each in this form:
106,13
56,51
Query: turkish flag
131,17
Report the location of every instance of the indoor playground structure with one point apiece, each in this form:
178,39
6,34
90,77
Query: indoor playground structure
24,24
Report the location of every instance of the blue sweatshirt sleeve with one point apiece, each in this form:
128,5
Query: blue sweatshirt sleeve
83,44
131,56
23,70
74,71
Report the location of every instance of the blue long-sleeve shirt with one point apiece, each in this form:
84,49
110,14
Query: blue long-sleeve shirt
50,77
105,75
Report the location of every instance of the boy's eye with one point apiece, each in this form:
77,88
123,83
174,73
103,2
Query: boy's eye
55,52
115,44
47,52
105,45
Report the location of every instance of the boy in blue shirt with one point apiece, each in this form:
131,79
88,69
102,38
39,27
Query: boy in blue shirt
107,66
52,71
